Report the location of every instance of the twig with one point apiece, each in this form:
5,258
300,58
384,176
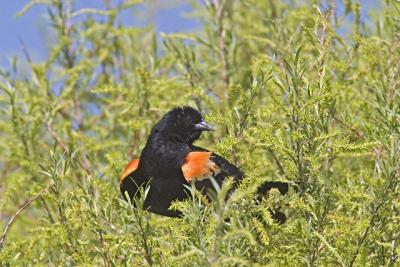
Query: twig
46,207
314,256
25,51
393,255
103,244
100,232
371,223
365,234
278,163
219,7
393,80
66,30
55,135
324,43
332,8
66,24
143,234
132,144
85,163
118,59
355,131
12,220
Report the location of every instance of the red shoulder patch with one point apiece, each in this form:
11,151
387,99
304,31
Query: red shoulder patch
131,167
198,165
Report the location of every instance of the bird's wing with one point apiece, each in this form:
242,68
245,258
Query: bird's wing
198,166
131,180
130,167
227,169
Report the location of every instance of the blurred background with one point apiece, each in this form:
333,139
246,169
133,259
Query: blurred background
32,30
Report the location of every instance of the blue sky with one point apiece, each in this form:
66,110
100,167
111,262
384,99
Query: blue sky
32,30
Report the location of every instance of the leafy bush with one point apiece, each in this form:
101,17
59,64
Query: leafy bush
299,92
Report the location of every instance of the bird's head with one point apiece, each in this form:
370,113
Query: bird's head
182,124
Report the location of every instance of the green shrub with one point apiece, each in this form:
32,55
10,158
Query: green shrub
299,92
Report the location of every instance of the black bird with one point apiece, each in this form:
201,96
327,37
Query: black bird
169,161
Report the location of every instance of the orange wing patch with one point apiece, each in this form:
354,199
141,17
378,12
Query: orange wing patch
131,167
199,166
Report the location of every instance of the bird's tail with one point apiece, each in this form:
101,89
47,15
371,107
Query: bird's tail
267,186
263,190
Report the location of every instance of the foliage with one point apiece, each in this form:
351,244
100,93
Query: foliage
299,92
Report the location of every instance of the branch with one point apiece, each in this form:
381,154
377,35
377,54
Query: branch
55,135
219,7
355,131
12,220
371,223
278,163
85,163
25,51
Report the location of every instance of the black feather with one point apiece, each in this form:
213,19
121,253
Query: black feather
169,142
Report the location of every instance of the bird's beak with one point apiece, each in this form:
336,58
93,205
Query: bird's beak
204,126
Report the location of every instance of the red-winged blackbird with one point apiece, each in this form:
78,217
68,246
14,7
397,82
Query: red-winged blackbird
169,161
